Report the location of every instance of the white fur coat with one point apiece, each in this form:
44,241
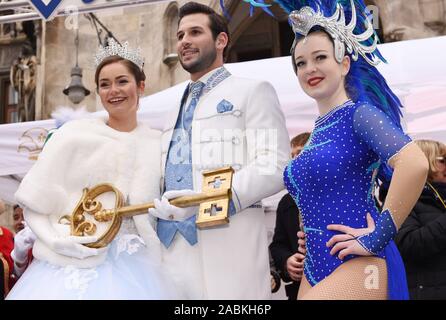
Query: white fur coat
83,153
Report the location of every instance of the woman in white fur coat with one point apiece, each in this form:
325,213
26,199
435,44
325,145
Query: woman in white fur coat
83,153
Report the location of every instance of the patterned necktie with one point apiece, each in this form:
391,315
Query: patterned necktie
195,90
179,175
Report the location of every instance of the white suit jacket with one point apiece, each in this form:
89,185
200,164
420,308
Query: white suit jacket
252,138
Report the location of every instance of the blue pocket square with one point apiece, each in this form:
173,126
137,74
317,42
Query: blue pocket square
224,106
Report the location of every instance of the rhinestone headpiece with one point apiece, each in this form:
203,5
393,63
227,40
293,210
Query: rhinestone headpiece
115,49
305,19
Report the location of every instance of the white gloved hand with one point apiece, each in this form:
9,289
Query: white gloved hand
23,241
71,246
164,210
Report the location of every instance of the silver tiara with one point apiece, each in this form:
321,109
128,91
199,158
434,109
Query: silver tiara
305,19
115,49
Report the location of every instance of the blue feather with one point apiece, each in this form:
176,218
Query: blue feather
252,5
265,7
251,11
225,11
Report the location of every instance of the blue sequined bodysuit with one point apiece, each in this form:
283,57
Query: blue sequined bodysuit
333,178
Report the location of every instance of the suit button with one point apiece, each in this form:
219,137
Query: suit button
421,287
179,179
237,113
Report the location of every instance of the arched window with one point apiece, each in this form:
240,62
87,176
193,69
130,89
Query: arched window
170,56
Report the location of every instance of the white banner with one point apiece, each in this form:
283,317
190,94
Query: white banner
8,186
20,145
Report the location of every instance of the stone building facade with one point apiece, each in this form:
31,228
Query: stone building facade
153,28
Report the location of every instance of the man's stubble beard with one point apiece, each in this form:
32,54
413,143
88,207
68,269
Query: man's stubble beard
202,63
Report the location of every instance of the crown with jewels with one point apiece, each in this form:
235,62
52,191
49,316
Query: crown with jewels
115,49
306,18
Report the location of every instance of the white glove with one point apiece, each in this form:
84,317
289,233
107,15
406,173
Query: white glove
23,241
71,246
164,210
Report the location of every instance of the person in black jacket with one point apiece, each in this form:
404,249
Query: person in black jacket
284,246
422,238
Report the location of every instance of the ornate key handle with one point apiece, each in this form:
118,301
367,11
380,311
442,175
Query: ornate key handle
213,211
88,204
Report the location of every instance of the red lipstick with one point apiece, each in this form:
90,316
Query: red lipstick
314,81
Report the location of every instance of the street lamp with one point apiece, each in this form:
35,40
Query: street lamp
75,91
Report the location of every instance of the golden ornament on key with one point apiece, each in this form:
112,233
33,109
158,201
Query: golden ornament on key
213,210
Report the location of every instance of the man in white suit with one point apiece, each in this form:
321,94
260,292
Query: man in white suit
221,120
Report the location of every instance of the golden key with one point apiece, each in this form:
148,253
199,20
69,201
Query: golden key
213,210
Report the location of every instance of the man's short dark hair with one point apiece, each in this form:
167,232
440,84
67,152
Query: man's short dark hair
218,23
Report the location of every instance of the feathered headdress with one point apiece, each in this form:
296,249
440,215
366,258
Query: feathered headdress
304,20
347,23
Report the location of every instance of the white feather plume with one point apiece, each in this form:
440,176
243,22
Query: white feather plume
64,114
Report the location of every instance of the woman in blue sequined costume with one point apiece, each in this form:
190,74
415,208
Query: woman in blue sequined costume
350,251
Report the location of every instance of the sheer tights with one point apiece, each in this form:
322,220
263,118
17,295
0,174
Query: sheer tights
363,278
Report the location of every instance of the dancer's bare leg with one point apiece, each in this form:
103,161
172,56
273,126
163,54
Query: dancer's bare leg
304,287
363,278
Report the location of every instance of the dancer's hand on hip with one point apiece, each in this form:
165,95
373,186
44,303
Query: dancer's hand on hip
346,243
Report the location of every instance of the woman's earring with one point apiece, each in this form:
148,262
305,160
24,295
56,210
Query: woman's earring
339,50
